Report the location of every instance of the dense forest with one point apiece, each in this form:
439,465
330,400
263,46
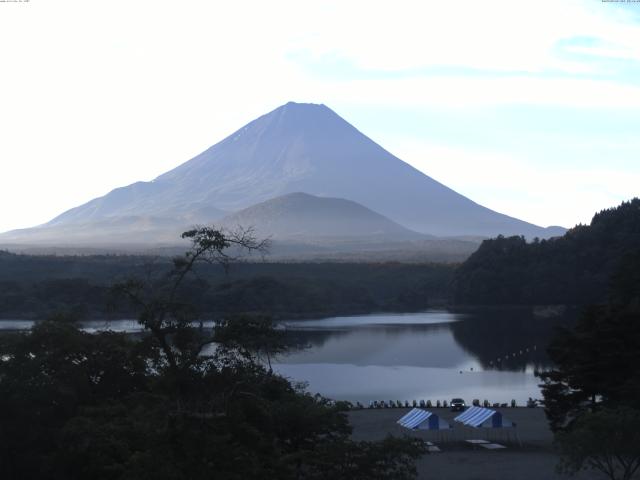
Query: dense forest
34,286
575,269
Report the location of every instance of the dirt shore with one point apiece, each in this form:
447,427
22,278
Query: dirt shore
529,455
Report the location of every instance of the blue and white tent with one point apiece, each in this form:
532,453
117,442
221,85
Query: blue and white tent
480,417
418,419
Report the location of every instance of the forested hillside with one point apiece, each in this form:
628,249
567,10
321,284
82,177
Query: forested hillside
35,286
574,269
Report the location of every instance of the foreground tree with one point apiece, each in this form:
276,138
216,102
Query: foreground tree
48,378
597,364
592,395
161,302
253,336
171,404
607,441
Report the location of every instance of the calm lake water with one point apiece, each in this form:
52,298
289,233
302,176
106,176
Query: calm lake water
434,355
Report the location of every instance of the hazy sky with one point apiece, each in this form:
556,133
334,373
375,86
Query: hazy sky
529,107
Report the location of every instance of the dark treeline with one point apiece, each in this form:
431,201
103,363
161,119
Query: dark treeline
33,286
575,269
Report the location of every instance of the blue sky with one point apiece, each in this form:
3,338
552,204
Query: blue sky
529,108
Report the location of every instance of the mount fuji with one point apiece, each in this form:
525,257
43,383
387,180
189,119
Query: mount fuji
296,148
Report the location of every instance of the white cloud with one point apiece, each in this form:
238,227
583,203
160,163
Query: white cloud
498,35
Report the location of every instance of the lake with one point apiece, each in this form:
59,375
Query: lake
433,355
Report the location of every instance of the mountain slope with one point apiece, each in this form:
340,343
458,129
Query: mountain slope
103,232
308,148
295,148
300,215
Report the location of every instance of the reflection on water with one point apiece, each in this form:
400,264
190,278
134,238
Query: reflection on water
383,319
431,355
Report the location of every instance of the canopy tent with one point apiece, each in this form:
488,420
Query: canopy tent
418,419
480,417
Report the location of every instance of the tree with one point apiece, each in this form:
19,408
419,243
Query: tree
574,269
596,364
592,396
254,336
47,377
161,308
159,406
607,440
164,312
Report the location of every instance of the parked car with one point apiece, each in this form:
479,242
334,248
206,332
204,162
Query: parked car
458,405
